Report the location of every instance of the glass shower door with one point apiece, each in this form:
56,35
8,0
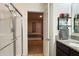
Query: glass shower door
6,35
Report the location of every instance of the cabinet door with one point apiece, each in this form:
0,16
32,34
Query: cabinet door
74,53
61,49
60,52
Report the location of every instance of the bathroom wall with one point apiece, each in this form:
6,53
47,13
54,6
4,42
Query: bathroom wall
24,8
55,10
18,36
46,30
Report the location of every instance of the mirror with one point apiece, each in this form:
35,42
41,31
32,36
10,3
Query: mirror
75,17
76,23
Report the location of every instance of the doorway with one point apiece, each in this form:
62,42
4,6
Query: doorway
35,33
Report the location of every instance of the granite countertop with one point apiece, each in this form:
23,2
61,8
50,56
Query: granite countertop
74,44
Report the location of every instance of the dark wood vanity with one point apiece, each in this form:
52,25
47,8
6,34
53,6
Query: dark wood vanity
63,50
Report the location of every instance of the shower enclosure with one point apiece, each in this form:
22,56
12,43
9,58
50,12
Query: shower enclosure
11,31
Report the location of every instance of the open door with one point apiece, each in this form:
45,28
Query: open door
35,33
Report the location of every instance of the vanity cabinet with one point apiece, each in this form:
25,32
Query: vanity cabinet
74,53
63,50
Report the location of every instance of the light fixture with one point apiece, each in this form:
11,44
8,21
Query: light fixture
41,16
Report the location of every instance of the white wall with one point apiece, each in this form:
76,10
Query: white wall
18,36
46,32
24,8
55,10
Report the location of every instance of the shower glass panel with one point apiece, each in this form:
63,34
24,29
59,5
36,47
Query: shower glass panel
11,31
6,35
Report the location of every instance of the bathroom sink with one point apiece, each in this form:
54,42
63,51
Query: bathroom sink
74,44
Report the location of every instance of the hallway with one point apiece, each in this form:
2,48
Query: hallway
35,48
35,33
